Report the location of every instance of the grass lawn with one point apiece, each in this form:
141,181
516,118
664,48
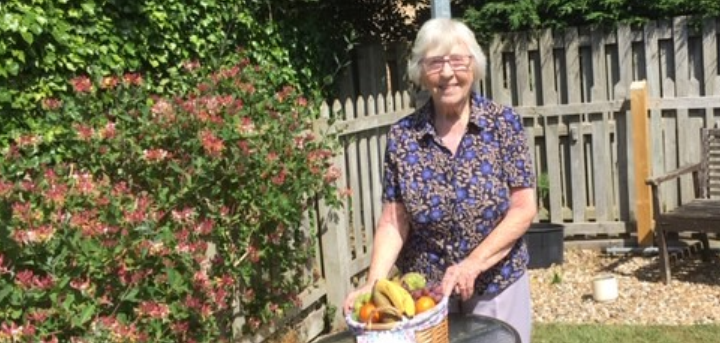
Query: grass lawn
586,333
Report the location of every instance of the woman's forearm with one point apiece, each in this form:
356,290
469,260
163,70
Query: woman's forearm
389,238
498,244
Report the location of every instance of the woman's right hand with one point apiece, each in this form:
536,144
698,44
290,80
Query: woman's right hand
350,299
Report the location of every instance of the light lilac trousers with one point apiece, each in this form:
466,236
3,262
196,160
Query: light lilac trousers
513,306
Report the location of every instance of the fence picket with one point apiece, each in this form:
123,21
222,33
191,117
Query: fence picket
375,169
355,211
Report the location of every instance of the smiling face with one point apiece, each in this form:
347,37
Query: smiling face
450,85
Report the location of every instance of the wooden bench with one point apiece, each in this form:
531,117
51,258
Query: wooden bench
702,214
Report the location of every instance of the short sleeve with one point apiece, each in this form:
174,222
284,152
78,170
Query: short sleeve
391,184
516,153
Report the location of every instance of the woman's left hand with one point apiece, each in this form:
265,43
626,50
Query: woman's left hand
460,279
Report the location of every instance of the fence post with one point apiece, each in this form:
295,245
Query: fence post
641,148
333,231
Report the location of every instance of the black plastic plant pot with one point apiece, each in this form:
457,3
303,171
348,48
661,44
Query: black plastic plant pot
545,244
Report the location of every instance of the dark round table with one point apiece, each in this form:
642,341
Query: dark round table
463,329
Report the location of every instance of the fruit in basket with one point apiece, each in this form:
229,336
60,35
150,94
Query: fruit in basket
413,281
399,297
369,313
361,300
380,299
390,315
424,303
433,290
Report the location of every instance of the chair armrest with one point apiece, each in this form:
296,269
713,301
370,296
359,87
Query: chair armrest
656,181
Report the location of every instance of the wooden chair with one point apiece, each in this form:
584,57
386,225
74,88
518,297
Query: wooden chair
702,214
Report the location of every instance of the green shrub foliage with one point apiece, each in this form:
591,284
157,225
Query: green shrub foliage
488,17
45,42
138,217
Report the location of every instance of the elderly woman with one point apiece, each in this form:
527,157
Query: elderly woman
458,185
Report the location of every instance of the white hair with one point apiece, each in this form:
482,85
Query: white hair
444,34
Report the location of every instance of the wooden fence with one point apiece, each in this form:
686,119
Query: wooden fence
573,90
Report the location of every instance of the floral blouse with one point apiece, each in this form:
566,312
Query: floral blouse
454,202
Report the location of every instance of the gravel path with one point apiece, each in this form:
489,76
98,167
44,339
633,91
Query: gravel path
563,293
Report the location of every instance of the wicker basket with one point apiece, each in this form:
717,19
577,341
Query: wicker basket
427,327
435,334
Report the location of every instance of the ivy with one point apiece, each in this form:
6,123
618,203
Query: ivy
43,43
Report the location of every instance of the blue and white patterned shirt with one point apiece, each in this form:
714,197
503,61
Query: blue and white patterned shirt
454,202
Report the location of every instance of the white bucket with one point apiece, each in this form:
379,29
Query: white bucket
605,288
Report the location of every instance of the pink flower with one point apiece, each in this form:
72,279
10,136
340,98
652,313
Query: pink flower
153,310
28,140
56,194
213,145
249,294
246,127
109,82
183,216
179,328
51,103
303,138
3,267
253,254
201,280
81,84
33,236
24,279
84,183
279,179
332,174
155,155
80,284
271,157
37,316
84,132
133,79
192,302
163,109
11,331
5,188
244,146
108,132
205,227
191,65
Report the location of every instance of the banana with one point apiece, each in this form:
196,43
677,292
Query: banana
398,296
390,315
379,298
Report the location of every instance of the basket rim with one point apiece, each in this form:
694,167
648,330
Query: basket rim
403,324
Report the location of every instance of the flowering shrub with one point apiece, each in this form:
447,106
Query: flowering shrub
140,218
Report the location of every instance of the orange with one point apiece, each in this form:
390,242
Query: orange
424,303
368,313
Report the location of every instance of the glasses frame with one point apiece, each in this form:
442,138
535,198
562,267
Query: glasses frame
446,59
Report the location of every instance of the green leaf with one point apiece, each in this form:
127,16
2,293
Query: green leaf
27,36
130,296
68,302
12,67
4,292
86,314
19,54
89,7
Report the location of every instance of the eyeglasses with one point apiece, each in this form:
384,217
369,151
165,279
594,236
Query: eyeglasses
435,64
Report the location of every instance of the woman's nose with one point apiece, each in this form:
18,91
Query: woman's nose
447,70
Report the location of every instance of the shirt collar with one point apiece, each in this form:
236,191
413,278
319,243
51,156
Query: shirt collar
479,116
